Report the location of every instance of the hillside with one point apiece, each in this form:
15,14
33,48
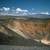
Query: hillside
29,29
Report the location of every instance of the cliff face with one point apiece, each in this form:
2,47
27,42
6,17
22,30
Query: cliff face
35,30
28,29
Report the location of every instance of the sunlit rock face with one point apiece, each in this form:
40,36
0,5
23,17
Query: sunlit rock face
35,30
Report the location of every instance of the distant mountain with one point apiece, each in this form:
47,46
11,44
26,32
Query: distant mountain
40,16
28,16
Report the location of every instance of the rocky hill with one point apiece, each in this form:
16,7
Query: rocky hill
29,29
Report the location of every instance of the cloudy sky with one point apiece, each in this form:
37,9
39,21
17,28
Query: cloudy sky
24,7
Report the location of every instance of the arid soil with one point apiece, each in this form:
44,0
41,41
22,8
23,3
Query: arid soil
35,30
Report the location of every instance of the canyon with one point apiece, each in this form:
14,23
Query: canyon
37,30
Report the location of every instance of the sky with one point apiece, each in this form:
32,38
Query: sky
24,7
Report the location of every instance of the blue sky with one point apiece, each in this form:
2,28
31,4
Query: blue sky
33,6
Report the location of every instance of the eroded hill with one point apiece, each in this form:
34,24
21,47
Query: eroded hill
37,30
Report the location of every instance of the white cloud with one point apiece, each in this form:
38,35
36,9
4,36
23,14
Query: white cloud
47,13
21,10
44,13
6,8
